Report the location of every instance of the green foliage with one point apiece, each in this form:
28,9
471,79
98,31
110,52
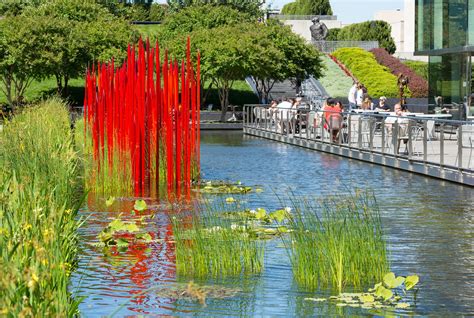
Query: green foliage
369,31
333,34
307,7
157,12
140,205
377,78
251,7
79,33
334,80
419,67
39,188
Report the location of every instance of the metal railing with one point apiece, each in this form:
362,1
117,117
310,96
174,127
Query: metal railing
303,17
442,143
331,46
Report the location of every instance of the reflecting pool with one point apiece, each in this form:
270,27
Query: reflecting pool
429,226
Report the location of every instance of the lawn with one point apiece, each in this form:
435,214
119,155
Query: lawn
334,80
147,30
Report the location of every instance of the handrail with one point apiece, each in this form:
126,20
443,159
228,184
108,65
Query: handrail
439,142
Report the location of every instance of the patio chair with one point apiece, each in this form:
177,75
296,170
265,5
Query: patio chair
467,141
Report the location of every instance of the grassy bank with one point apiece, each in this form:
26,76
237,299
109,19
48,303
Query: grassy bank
39,187
334,80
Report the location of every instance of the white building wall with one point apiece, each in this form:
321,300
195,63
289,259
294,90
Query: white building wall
403,29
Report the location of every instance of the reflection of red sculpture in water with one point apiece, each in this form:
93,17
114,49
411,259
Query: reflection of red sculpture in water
141,263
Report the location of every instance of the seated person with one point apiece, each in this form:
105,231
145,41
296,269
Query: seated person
367,103
332,118
382,106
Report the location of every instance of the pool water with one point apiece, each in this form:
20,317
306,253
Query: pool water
429,226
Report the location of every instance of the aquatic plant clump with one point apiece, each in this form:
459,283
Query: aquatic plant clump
141,123
39,190
337,242
209,245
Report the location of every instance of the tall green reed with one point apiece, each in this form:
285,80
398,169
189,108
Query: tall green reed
337,241
39,199
207,244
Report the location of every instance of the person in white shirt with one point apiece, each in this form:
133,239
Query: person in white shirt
352,96
359,96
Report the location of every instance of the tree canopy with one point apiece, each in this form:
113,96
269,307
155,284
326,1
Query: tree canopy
368,31
308,7
251,7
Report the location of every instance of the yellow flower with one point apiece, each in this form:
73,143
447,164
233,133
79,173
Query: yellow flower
68,211
27,226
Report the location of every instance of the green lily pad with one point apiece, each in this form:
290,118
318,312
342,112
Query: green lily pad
368,298
230,200
109,201
121,242
146,237
393,282
260,213
316,299
259,190
384,293
140,205
402,305
411,281
278,215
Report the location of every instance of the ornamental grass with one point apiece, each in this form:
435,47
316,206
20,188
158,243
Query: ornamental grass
336,242
39,199
208,245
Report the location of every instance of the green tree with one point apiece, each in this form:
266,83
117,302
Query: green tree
87,33
369,31
251,7
279,55
308,7
21,59
158,12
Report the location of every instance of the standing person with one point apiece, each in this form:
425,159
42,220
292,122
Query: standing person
359,96
332,119
352,96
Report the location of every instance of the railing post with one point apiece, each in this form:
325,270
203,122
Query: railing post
322,128
371,133
395,141
359,134
349,129
282,123
410,141
299,123
460,147
441,145
383,134
425,140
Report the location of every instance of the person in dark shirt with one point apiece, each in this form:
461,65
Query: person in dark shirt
383,104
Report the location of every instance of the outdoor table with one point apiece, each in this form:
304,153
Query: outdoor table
433,116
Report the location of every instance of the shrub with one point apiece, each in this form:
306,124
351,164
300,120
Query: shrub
334,80
369,31
158,12
307,7
417,85
419,67
377,78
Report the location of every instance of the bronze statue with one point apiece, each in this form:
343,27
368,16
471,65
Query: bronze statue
319,31
402,85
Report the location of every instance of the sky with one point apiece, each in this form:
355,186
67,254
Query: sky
350,11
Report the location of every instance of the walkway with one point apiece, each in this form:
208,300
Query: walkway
436,148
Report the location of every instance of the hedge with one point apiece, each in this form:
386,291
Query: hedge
417,84
363,65
419,67
368,31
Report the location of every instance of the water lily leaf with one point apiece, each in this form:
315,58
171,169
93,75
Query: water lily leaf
270,231
116,225
411,281
109,201
230,200
316,299
282,229
393,282
341,304
145,237
278,215
402,305
121,242
140,205
260,213
375,287
367,298
383,293
259,190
